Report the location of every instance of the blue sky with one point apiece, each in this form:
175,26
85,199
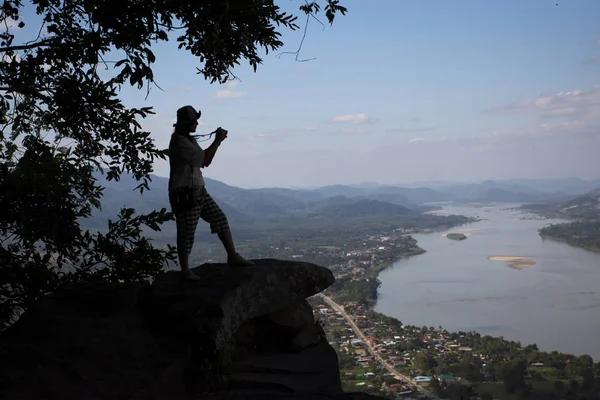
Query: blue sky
403,91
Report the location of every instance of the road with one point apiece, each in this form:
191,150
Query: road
370,348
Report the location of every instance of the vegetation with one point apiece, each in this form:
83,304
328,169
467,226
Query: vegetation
456,236
584,211
493,368
488,367
62,121
365,208
364,290
334,230
584,234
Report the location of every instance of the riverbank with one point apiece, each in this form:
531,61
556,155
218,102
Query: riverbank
570,243
476,360
456,286
362,285
583,234
486,311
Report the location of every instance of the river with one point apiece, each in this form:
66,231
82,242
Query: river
554,303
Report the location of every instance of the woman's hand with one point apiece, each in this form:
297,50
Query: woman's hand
221,134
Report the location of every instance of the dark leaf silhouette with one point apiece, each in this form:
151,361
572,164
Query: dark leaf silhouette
61,120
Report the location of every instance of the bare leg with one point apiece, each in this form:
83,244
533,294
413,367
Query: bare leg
227,241
186,227
233,258
183,259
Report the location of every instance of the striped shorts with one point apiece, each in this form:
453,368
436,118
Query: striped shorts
208,210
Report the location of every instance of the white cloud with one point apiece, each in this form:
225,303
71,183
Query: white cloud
228,93
360,118
409,130
428,140
268,135
567,129
576,103
276,134
351,131
576,130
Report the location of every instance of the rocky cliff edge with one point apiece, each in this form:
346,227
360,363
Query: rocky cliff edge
238,333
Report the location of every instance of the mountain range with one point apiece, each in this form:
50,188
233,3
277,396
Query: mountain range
338,200
583,207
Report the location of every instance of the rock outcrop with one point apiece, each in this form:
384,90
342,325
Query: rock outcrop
244,333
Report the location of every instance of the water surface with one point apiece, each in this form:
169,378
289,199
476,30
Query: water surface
554,303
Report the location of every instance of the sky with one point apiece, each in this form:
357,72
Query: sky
403,91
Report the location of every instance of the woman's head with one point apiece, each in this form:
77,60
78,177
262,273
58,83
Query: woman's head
187,120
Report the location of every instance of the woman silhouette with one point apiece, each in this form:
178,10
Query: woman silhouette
187,192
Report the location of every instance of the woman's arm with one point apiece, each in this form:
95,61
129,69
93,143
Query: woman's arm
210,152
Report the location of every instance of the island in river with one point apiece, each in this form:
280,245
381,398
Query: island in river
457,286
456,236
514,262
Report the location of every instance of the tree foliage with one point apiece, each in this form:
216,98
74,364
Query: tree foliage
584,234
425,361
62,121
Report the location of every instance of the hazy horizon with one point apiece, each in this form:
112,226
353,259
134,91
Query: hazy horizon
403,92
427,183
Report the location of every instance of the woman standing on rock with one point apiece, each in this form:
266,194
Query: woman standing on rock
187,192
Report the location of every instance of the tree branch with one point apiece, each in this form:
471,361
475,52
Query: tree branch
46,42
297,52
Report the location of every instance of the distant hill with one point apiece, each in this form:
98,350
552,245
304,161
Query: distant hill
568,186
573,186
408,197
330,201
340,190
500,192
364,208
582,207
488,191
586,206
249,204
242,205
584,231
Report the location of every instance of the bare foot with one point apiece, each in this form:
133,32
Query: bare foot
238,261
189,275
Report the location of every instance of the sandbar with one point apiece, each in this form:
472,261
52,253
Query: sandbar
515,262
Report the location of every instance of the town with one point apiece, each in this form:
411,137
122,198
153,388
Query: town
380,355
367,355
